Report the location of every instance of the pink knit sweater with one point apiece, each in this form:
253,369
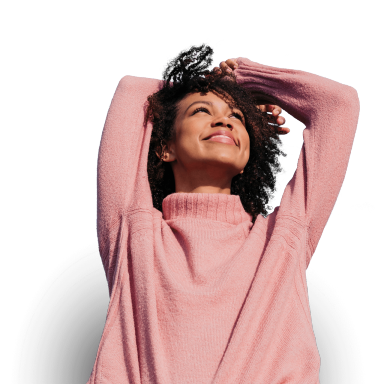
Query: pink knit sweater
198,294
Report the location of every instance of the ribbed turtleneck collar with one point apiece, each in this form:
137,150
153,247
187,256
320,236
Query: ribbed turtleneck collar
213,206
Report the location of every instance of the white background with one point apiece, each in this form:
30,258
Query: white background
61,63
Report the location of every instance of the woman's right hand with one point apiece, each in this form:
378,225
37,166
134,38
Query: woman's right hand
227,66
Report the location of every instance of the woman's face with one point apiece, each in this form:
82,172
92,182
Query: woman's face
200,164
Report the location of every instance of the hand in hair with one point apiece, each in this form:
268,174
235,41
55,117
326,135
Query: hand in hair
230,65
275,118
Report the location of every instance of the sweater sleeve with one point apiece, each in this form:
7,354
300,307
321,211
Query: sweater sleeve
330,113
122,179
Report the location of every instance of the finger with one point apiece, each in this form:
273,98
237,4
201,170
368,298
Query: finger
224,67
275,109
229,65
283,130
262,108
275,112
268,108
232,63
280,120
217,69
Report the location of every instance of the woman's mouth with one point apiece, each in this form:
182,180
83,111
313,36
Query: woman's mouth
222,139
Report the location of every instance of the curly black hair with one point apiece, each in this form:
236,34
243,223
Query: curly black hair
188,74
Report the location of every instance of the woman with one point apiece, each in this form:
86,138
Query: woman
204,286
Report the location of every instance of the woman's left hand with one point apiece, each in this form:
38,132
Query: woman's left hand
276,119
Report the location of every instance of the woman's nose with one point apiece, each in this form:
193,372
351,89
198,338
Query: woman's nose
223,121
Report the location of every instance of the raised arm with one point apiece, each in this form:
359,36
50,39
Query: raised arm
330,112
122,181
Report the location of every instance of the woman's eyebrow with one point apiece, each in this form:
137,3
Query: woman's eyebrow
204,102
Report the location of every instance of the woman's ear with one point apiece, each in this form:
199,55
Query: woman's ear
158,154
165,154
160,149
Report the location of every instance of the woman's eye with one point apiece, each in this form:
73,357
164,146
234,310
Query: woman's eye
237,115
200,109
206,110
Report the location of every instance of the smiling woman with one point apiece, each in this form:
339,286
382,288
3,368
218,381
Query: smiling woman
210,147
205,288
195,104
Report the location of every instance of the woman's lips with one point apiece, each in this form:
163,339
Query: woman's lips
222,139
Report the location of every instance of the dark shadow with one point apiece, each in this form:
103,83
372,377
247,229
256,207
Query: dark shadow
63,322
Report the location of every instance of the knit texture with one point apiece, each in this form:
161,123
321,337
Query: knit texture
199,294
